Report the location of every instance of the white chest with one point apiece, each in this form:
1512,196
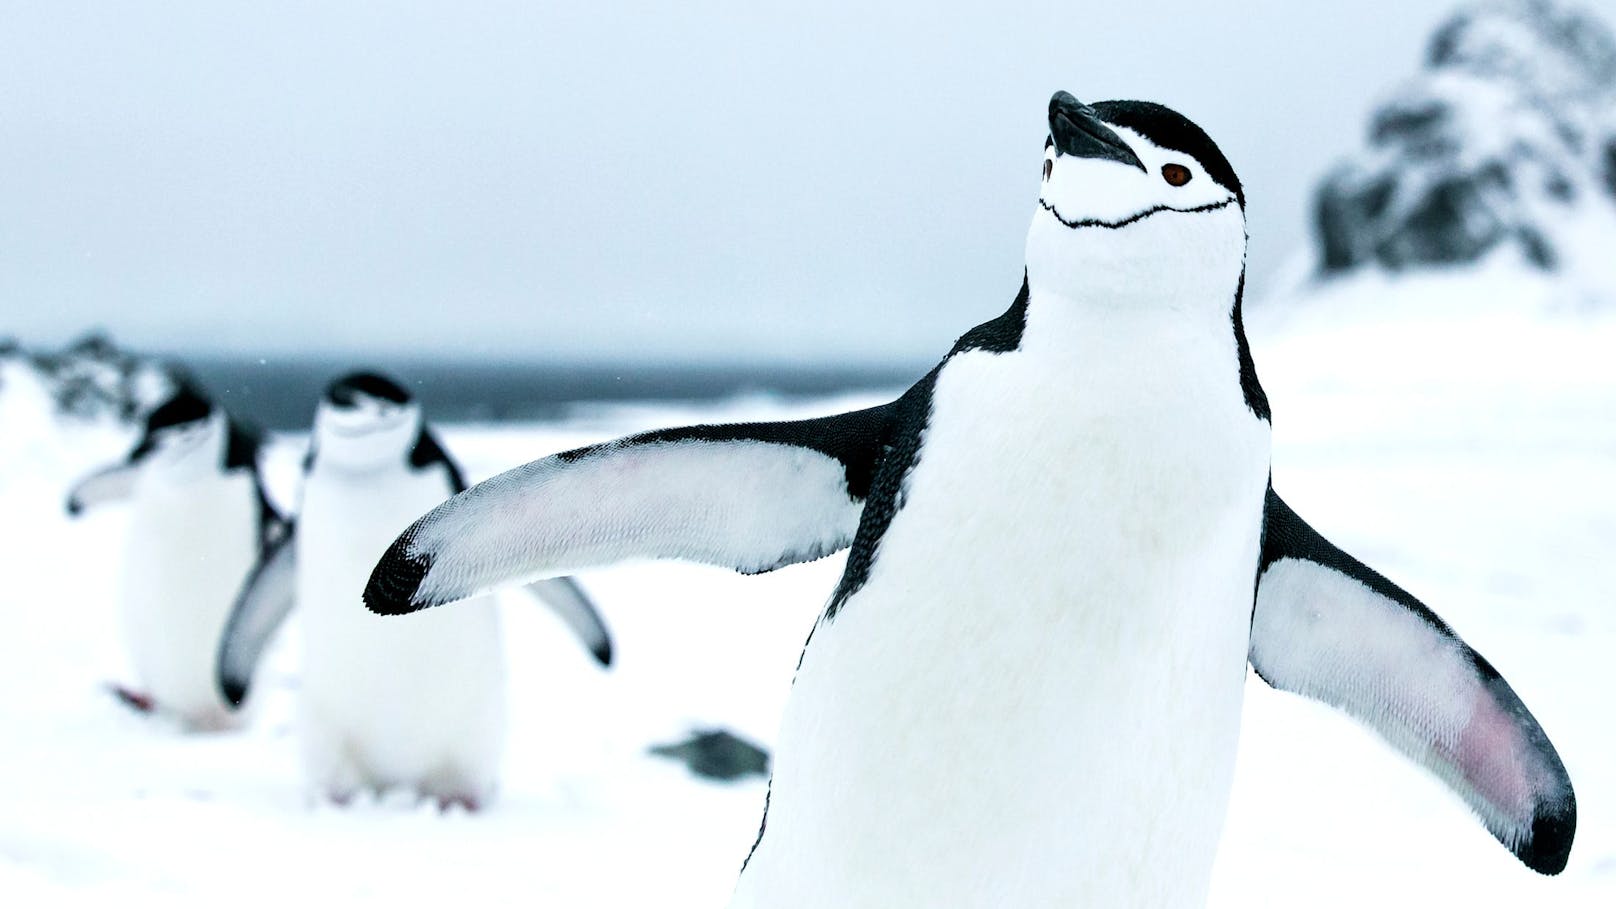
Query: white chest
191,543
1035,696
347,521
414,700
351,655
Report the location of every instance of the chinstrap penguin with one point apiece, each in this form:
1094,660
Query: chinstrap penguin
200,517
383,705
1065,548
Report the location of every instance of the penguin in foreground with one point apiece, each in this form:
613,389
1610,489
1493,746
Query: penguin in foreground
416,704
200,519
1026,688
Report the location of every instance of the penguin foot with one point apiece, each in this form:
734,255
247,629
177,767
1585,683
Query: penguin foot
138,701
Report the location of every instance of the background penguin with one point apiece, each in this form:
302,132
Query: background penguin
1026,689
383,704
200,519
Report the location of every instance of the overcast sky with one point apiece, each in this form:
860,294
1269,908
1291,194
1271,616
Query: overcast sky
561,180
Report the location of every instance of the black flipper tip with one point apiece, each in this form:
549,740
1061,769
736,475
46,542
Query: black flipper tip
603,652
74,507
234,691
396,580
1553,830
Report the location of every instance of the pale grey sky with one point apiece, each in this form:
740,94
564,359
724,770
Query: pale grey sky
541,181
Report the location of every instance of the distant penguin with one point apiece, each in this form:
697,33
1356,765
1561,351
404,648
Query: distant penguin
200,519
1026,689
415,705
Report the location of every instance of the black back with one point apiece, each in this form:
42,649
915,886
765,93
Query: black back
1256,398
428,453
909,416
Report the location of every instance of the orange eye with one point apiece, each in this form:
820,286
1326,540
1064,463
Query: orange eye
1176,174
1049,167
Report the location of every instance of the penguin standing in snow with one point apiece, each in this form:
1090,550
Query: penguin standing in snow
419,705
200,519
1026,688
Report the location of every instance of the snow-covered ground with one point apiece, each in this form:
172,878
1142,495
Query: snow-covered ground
1470,454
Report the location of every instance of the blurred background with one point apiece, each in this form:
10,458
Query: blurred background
731,192
559,223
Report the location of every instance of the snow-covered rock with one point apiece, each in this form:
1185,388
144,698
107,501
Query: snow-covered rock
65,412
717,754
1506,139
93,378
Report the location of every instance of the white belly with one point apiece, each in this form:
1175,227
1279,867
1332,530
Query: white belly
414,701
1035,698
190,546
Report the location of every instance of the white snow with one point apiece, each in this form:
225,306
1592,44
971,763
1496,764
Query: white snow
1457,431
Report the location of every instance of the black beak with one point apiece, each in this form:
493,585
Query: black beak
1077,131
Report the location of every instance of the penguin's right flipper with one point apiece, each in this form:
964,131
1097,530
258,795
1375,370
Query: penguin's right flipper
752,497
265,598
568,601
1327,627
110,484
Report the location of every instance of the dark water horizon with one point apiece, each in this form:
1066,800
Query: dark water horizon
280,393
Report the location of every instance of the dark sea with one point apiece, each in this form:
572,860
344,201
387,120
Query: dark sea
281,393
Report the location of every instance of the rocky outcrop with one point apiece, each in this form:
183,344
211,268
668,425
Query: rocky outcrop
92,378
717,754
1508,133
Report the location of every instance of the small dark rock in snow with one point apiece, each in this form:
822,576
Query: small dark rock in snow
717,755
1509,128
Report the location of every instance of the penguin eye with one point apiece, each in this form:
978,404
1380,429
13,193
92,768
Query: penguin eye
1049,168
1176,174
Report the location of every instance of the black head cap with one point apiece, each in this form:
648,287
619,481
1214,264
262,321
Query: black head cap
186,406
344,392
1170,129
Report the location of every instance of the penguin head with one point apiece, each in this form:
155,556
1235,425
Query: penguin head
184,435
365,421
1135,200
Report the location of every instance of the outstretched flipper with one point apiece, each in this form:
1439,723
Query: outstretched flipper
752,497
567,600
1330,628
265,598
110,484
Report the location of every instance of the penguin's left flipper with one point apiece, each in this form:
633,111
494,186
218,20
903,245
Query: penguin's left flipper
1327,627
567,600
266,597
110,484
752,497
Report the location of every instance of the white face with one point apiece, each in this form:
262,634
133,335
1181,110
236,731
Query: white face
373,433
1108,230
188,449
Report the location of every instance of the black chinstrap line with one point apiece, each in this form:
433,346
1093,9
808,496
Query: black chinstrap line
1131,219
